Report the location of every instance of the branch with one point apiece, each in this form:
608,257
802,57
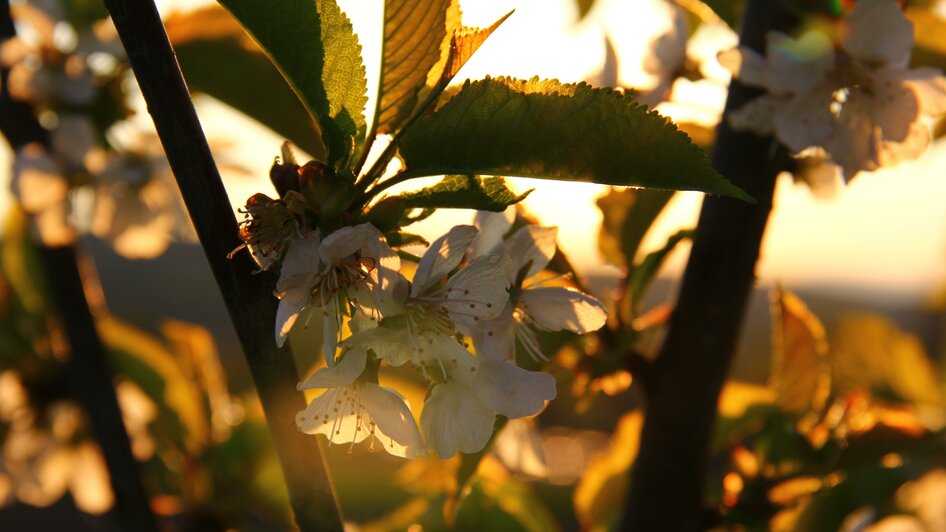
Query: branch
669,473
248,297
89,374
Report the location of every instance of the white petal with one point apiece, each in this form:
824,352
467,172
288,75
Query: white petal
510,390
558,309
336,415
443,256
806,120
478,291
492,227
455,420
745,64
756,115
496,338
287,313
930,87
346,241
797,65
300,267
519,447
393,416
531,244
877,32
392,345
351,366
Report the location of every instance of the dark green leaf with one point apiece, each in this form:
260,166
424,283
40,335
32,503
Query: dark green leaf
218,59
312,44
401,239
644,273
465,192
550,130
413,34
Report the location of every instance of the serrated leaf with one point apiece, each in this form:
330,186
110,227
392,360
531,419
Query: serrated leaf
220,60
800,372
871,353
465,192
627,215
644,273
312,44
464,42
413,34
549,130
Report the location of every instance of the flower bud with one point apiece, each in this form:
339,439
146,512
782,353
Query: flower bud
315,183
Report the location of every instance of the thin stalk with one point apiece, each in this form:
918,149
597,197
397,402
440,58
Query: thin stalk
89,374
669,474
248,297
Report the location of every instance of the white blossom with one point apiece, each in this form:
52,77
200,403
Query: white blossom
352,264
353,409
855,104
532,305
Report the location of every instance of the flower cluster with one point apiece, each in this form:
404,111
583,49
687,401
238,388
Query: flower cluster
842,106
471,288
86,179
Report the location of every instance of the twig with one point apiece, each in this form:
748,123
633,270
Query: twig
248,297
89,375
666,486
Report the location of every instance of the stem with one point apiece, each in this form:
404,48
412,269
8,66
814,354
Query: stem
89,374
668,477
248,297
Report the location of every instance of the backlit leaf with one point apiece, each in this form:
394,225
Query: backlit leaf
627,215
644,273
220,60
465,192
599,496
549,130
870,353
800,372
313,45
413,34
464,43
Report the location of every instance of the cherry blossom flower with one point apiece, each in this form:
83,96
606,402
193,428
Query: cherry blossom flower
855,104
353,409
351,265
532,306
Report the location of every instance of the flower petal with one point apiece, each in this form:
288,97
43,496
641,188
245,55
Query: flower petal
510,390
930,87
392,345
806,120
393,417
287,313
349,368
492,227
334,414
300,267
878,32
796,65
442,256
346,241
496,338
746,65
478,291
558,309
756,115
454,420
531,244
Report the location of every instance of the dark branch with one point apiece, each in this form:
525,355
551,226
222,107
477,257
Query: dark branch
249,298
667,481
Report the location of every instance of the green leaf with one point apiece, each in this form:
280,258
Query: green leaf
413,34
503,504
218,59
464,42
465,192
549,130
401,239
313,45
627,216
728,10
644,273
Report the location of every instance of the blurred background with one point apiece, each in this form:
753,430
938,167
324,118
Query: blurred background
869,260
